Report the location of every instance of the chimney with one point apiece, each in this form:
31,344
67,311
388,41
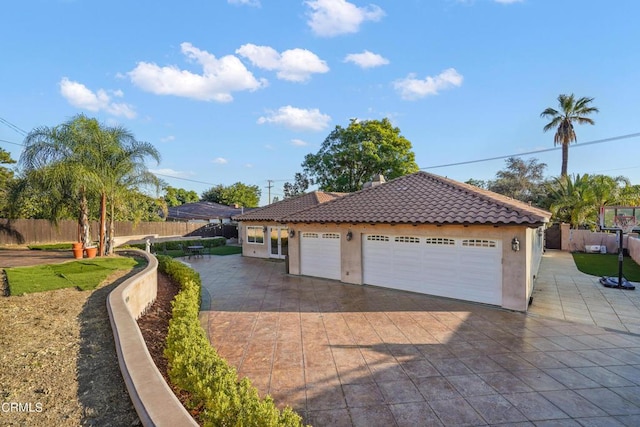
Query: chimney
375,181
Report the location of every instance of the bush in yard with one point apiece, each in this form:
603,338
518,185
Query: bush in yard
174,245
216,394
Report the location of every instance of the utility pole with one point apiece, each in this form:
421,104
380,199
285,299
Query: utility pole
270,181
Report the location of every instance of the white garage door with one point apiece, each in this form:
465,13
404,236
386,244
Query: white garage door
467,269
320,255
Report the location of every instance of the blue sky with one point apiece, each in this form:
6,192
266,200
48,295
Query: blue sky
241,90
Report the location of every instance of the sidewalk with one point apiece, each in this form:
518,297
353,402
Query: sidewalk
561,291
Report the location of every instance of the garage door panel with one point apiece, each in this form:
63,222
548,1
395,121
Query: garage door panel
467,269
320,255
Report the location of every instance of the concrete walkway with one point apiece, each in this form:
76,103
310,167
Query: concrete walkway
562,292
346,355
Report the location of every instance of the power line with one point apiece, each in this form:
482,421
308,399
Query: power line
10,142
599,141
13,127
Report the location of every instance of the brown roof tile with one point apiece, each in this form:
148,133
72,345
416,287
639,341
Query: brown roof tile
276,211
423,198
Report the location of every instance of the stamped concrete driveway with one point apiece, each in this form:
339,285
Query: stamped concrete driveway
345,355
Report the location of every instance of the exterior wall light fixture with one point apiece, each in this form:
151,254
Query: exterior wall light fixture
292,233
515,244
349,235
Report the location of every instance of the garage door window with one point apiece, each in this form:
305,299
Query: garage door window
310,235
255,235
405,239
439,241
376,238
479,243
330,235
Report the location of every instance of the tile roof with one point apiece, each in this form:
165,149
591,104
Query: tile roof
423,198
203,211
276,211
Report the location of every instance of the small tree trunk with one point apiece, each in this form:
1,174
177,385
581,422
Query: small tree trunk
83,220
112,231
103,222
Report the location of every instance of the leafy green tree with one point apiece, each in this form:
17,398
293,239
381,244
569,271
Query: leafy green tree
571,111
179,196
6,180
300,185
521,180
577,200
350,157
477,183
244,195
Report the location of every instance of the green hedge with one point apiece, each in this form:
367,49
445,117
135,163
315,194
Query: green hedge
173,245
195,366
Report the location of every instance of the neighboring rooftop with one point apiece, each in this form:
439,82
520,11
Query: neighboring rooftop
276,211
203,211
423,198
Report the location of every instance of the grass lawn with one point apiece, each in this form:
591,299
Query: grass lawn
84,275
606,265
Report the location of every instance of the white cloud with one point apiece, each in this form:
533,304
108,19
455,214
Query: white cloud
248,165
297,118
219,78
296,65
81,96
220,161
508,1
168,138
411,88
171,172
299,142
328,18
366,59
252,3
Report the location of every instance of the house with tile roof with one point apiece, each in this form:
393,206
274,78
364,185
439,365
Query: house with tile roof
207,212
423,233
262,232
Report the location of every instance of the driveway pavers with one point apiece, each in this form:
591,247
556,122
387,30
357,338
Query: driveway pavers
563,292
347,355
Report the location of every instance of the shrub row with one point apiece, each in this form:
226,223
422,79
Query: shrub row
172,245
195,366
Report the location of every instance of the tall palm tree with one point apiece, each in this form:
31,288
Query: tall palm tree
51,162
115,161
126,172
88,158
571,110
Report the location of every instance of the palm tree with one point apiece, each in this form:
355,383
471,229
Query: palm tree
571,110
570,201
52,164
114,161
126,172
86,157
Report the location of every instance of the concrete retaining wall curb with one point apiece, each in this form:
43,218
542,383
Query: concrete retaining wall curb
152,398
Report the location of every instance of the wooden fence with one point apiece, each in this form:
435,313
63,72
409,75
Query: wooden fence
31,231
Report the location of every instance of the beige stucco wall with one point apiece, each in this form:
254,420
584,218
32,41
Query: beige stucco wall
535,248
255,250
518,268
634,248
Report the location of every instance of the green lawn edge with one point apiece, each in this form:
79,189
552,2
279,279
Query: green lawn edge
81,274
606,265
